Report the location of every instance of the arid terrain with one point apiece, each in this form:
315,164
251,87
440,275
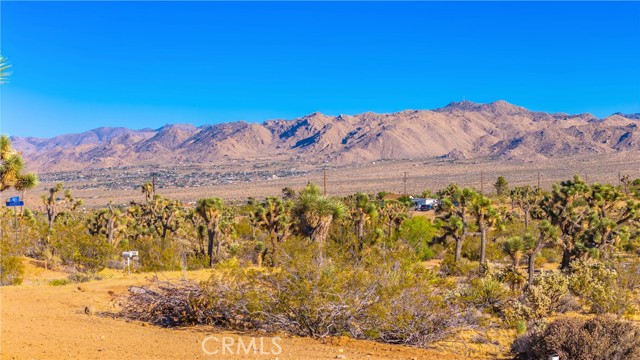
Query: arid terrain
40,321
464,142
460,130
123,185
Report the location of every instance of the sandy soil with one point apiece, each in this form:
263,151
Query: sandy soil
40,321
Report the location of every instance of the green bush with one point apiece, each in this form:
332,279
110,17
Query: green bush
548,294
418,232
60,282
71,243
11,270
448,266
486,293
600,289
550,256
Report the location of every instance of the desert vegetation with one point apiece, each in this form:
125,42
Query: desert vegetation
549,264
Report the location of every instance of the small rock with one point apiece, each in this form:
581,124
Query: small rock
340,357
89,310
81,288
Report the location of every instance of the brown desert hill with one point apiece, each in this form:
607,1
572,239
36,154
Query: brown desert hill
459,130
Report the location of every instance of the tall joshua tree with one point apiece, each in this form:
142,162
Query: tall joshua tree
316,212
525,198
588,218
54,206
274,216
487,216
363,211
211,209
453,214
501,185
533,245
393,212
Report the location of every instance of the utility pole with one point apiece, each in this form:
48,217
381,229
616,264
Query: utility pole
482,182
404,182
324,173
538,179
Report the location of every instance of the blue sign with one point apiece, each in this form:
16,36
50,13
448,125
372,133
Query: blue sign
15,201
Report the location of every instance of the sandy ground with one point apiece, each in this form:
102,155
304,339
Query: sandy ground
40,321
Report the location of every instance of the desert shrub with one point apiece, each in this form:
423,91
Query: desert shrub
418,232
80,277
116,264
11,270
600,288
471,249
72,245
153,257
385,296
601,338
486,293
60,282
548,294
427,253
463,267
550,255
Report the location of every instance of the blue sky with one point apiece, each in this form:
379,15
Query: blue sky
82,65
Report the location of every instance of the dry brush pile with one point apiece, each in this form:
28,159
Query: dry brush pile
389,300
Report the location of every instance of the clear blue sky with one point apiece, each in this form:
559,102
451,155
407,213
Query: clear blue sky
81,65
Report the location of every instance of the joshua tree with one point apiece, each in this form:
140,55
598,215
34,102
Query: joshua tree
525,198
54,206
288,193
316,212
487,216
110,221
148,191
501,185
26,182
253,215
364,210
588,217
393,212
11,167
514,248
625,180
454,212
227,229
210,209
274,216
533,245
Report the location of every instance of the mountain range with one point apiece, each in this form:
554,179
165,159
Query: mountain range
460,130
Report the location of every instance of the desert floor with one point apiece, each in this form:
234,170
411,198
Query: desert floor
427,174
41,321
